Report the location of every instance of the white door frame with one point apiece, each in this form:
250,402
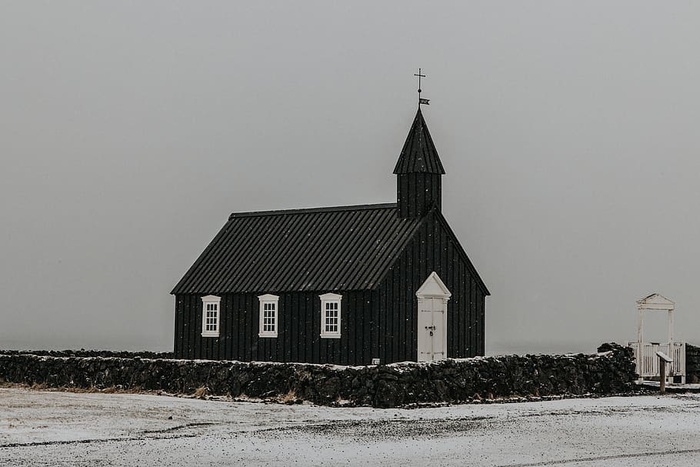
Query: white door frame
432,298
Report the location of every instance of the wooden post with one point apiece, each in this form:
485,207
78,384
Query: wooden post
663,360
640,327
662,375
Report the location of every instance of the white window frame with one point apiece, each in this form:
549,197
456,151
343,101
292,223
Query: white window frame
271,302
329,299
211,303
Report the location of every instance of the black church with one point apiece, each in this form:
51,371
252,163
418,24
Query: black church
349,285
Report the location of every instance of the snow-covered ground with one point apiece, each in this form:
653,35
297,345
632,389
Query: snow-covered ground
59,428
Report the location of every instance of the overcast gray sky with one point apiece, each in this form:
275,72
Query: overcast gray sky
130,130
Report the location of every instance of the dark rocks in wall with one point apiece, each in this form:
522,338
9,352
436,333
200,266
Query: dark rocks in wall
449,381
692,364
90,353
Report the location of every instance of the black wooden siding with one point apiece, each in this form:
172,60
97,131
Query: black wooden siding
418,193
433,248
299,329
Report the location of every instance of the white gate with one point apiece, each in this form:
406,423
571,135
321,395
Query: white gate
645,352
648,361
432,319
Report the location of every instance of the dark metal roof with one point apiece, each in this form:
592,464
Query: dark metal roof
472,270
419,153
339,248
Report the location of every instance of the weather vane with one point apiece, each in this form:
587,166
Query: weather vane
420,99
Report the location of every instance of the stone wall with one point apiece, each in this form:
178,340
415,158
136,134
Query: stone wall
453,381
90,353
692,364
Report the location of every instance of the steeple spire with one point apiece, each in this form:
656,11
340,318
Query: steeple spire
419,172
419,153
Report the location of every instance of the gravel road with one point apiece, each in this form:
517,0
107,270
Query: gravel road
87,429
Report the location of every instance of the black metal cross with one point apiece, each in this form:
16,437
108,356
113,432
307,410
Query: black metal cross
421,100
419,75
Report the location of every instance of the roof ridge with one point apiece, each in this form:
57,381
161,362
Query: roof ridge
278,212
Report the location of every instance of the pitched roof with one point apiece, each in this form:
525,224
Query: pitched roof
460,250
419,153
339,248
655,301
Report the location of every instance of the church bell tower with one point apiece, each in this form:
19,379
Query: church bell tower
419,173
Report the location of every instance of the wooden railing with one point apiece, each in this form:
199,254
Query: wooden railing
648,361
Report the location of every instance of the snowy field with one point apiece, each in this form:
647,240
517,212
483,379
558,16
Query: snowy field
72,429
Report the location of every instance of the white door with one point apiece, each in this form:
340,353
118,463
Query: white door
432,342
432,319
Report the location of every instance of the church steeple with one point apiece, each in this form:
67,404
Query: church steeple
418,172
